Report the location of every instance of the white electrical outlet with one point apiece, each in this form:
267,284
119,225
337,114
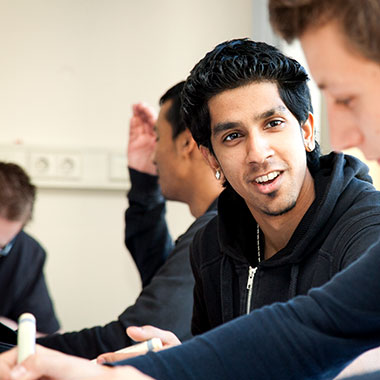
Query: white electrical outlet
69,165
42,165
70,168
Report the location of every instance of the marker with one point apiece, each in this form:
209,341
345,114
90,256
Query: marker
148,345
141,348
26,336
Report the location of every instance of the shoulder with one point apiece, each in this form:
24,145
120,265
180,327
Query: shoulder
205,248
198,225
355,230
204,220
26,245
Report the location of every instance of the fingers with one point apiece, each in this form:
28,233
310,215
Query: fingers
137,349
112,357
141,334
54,365
147,332
50,365
145,112
142,140
143,117
8,360
28,369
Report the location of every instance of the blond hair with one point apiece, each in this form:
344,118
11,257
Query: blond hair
357,19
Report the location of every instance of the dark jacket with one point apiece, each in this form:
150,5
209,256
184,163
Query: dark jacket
166,302
309,337
146,232
341,223
22,284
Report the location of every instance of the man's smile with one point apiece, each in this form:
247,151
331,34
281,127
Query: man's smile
267,177
268,183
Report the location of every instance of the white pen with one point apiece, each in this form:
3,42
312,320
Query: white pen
26,336
140,348
148,345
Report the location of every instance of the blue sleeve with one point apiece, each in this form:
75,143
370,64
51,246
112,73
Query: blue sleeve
309,337
367,376
146,233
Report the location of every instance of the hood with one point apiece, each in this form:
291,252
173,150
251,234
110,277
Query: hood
339,180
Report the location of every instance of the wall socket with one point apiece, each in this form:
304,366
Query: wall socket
55,165
68,168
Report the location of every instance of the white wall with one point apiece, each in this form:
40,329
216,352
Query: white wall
70,70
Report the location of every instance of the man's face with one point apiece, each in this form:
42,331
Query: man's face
166,156
8,230
258,144
351,85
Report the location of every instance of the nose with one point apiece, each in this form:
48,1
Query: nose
343,131
258,148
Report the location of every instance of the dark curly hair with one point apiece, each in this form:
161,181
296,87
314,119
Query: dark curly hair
174,115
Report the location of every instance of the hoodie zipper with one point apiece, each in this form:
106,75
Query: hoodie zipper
251,276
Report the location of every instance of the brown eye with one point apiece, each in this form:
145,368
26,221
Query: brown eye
232,136
344,101
273,124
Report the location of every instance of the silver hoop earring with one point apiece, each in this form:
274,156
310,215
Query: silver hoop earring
309,147
217,175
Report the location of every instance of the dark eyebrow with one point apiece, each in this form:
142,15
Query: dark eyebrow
221,127
279,109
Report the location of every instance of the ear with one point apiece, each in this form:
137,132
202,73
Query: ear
211,160
308,133
185,144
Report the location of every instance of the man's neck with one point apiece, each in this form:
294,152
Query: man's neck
278,230
202,201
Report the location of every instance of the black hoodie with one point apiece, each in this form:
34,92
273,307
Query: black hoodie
343,220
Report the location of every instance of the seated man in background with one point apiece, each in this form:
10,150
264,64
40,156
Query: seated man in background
166,300
22,282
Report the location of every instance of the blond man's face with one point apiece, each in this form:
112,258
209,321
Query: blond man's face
351,85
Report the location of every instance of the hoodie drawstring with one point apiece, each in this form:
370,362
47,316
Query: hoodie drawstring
226,290
293,281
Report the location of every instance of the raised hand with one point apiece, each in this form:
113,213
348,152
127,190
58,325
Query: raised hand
142,139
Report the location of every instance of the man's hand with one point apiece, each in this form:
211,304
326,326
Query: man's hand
53,365
142,139
141,334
